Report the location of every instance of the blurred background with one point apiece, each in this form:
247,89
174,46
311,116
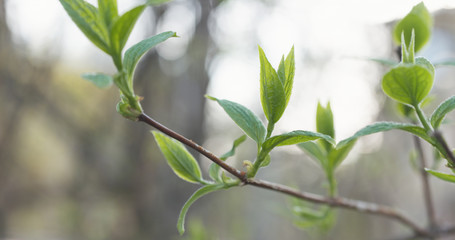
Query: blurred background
72,168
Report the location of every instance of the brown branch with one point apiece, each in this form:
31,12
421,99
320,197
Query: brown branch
429,206
360,206
451,158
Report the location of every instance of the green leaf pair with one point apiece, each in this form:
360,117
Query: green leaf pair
276,86
110,32
186,167
326,154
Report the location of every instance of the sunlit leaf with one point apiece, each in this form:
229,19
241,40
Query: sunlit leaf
99,79
179,159
418,19
89,21
273,96
286,72
133,54
387,126
122,28
408,83
441,175
324,123
292,138
244,118
108,10
441,111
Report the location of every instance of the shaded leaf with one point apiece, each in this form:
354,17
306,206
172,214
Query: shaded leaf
244,118
133,54
215,169
441,175
196,195
418,19
441,111
89,21
316,151
179,159
383,61
286,72
337,155
387,126
273,96
100,80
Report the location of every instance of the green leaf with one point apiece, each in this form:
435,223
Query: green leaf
441,111
244,118
387,126
286,72
337,155
179,159
215,169
133,54
108,10
156,2
99,79
122,28
316,151
291,138
89,21
273,96
236,143
386,62
196,195
441,175
324,123
450,62
409,83
418,19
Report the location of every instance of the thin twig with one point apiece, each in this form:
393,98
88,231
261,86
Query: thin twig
429,206
360,206
438,136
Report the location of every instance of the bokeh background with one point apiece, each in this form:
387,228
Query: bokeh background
72,168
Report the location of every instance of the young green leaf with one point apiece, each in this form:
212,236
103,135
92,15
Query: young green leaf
316,151
89,21
196,195
441,111
273,96
441,175
409,83
156,2
179,159
100,80
418,19
122,28
286,72
133,54
108,10
244,118
387,126
324,123
215,169
291,138
337,155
